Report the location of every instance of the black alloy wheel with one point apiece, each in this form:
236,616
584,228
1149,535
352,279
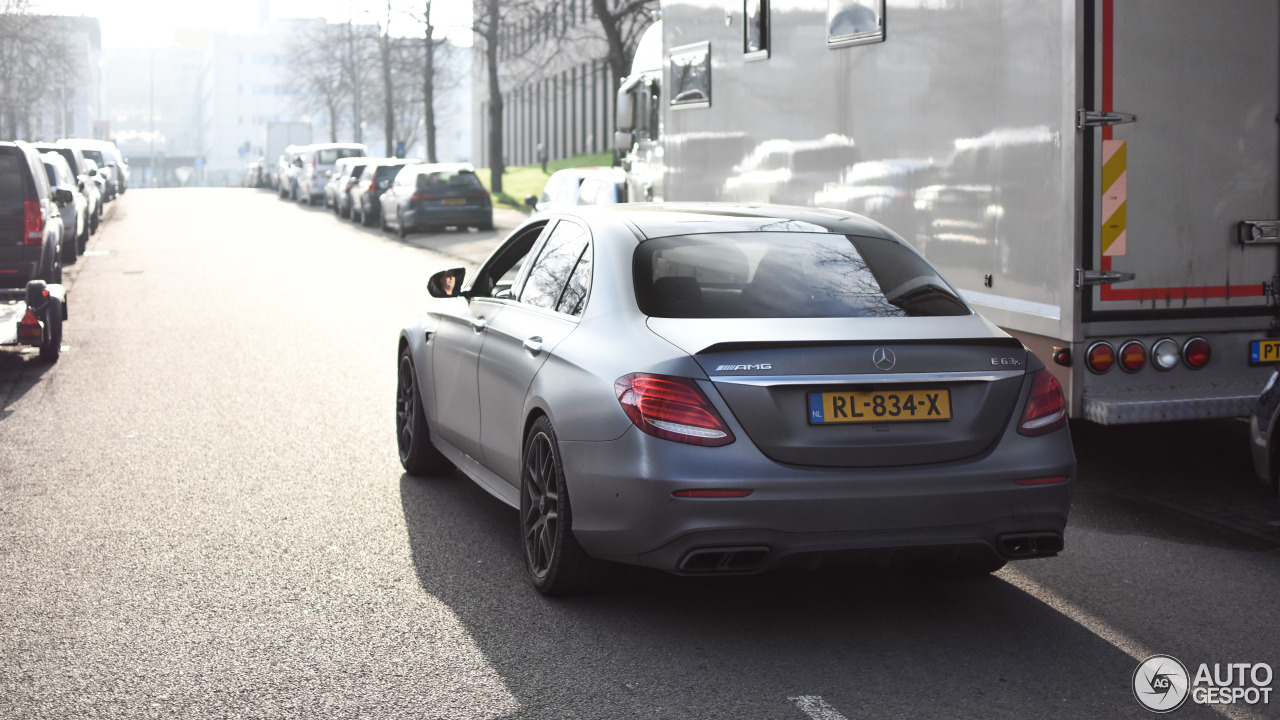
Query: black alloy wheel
417,455
556,563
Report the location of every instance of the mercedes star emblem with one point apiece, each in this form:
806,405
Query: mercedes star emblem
883,358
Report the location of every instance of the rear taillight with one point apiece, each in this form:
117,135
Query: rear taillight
422,196
1046,409
1133,356
1100,357
1196,353
29,330
672,408
711,493
373,186
33,219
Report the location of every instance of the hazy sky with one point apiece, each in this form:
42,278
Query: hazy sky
151,23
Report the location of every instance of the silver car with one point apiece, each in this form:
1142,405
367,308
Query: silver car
731,388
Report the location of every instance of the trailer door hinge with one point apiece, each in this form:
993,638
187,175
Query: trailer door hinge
1258,232
1085,278
1098,118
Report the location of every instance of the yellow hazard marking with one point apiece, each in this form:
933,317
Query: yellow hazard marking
1115,193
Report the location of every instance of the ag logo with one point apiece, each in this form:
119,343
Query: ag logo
1160,683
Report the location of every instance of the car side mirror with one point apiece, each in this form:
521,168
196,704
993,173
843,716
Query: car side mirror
93,172
447,283
532,202
63,196
623,141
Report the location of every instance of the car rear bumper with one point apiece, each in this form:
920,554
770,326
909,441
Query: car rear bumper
422,217
624,509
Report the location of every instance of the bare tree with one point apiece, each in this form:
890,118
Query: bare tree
622,25
319,71
34,56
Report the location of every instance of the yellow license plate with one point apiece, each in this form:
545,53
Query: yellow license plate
454,201
879,406
1264,351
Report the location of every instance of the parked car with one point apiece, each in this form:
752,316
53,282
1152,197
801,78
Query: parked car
338,178
287,169
580,186
109,163
1264,441
30,224
374,180
75,213
732,388
87,179
317,166
436,195
342,201
99,179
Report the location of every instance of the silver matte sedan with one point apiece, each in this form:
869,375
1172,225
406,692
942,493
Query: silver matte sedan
731,388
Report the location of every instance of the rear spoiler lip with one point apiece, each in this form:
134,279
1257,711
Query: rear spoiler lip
740,346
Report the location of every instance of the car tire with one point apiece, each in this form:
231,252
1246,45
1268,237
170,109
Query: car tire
83,243
50,348
417,455
556,563
382,222
69,246
94,219
485,226
400,229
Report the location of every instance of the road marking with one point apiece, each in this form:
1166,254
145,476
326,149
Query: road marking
1119,640
815,707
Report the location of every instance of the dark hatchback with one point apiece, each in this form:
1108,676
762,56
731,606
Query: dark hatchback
437,195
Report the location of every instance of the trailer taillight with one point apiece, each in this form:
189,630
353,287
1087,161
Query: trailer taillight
1101,357
1133,355
1164,354
1196,353
33,220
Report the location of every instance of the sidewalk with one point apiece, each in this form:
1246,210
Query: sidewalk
470,247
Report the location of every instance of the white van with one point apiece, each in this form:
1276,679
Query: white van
317,167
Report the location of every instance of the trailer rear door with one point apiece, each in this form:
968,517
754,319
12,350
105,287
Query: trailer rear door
1166,194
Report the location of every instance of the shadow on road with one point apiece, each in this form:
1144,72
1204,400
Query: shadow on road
20,371
746,644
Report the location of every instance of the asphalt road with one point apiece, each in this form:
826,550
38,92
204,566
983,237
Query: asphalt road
202,516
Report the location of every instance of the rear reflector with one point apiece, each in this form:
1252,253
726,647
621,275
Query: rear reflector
1046,409
1133,356
1101,357
1041,481
1062,356
713,493
1196,353
29,330
672,408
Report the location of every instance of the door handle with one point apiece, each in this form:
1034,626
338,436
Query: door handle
479,324
533,345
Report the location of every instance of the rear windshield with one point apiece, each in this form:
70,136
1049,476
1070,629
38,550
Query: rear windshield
95,156
68,155
446,180
330,156
387,172
13,190
787,274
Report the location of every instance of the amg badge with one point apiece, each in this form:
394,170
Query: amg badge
760,366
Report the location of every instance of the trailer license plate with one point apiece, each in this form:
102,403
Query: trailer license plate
879,406
454,201
1264,351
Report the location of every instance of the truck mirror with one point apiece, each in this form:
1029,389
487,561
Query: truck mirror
622,141
626,111
532,201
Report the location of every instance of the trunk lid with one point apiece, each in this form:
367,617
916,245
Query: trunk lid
809,391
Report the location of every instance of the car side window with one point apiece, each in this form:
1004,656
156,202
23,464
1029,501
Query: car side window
549,276
500,275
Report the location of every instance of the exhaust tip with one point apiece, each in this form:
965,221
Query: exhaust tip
724,560
1030,545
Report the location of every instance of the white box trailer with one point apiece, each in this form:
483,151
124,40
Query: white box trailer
1098,177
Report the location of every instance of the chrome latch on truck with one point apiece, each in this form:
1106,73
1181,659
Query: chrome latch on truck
1085,278
1258,232
1098,118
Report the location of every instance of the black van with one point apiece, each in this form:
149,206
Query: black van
30,226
